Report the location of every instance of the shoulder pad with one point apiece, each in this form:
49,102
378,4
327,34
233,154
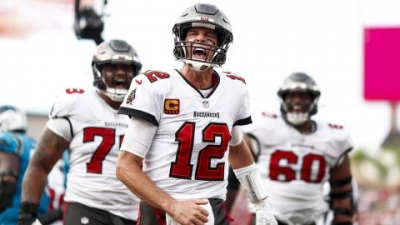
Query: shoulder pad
270,115
234,76
341,132
153,76
65,102
340,138
335,126
152,79
8,143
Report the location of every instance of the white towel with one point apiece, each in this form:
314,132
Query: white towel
37,222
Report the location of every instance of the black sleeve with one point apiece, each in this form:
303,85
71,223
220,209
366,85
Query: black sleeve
51,217
233,182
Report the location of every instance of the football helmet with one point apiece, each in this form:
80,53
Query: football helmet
299,82
12,119
114,52
208,16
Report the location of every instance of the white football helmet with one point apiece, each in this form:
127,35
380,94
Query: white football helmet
299,82
208,16
12,119
114,52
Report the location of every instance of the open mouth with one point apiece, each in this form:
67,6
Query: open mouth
120,84
199,53
296,109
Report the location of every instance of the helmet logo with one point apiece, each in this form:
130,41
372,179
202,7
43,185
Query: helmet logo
204,18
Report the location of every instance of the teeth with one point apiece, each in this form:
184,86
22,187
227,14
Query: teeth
296,107
199,49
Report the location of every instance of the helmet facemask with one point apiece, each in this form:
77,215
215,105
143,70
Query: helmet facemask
297,113
119,83
309,93
207,16
114,52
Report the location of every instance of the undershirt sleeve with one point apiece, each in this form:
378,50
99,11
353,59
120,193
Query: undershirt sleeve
138,137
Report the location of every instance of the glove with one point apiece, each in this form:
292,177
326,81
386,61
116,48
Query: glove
264,213
27,214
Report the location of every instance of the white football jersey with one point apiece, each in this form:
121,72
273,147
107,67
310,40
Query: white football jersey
294,166
188,156
97,131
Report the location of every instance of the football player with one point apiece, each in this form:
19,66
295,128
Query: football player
86,123
297,155
186,126
15,150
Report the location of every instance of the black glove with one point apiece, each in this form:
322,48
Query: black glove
27,213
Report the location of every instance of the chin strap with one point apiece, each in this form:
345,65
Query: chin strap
198,66
114,96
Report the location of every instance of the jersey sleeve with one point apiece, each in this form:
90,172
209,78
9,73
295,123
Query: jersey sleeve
244,116
238,85
145,98
58,116
344,144
264,128
62,105
341,143
347,142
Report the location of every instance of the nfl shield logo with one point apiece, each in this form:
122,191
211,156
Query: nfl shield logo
206,104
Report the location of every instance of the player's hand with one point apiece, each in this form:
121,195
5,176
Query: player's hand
27,214
28,220
264,214
189,212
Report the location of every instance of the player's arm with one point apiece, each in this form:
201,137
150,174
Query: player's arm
137,141
47,153
243,165
233,183
254,145
341,192
9,169
232,190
